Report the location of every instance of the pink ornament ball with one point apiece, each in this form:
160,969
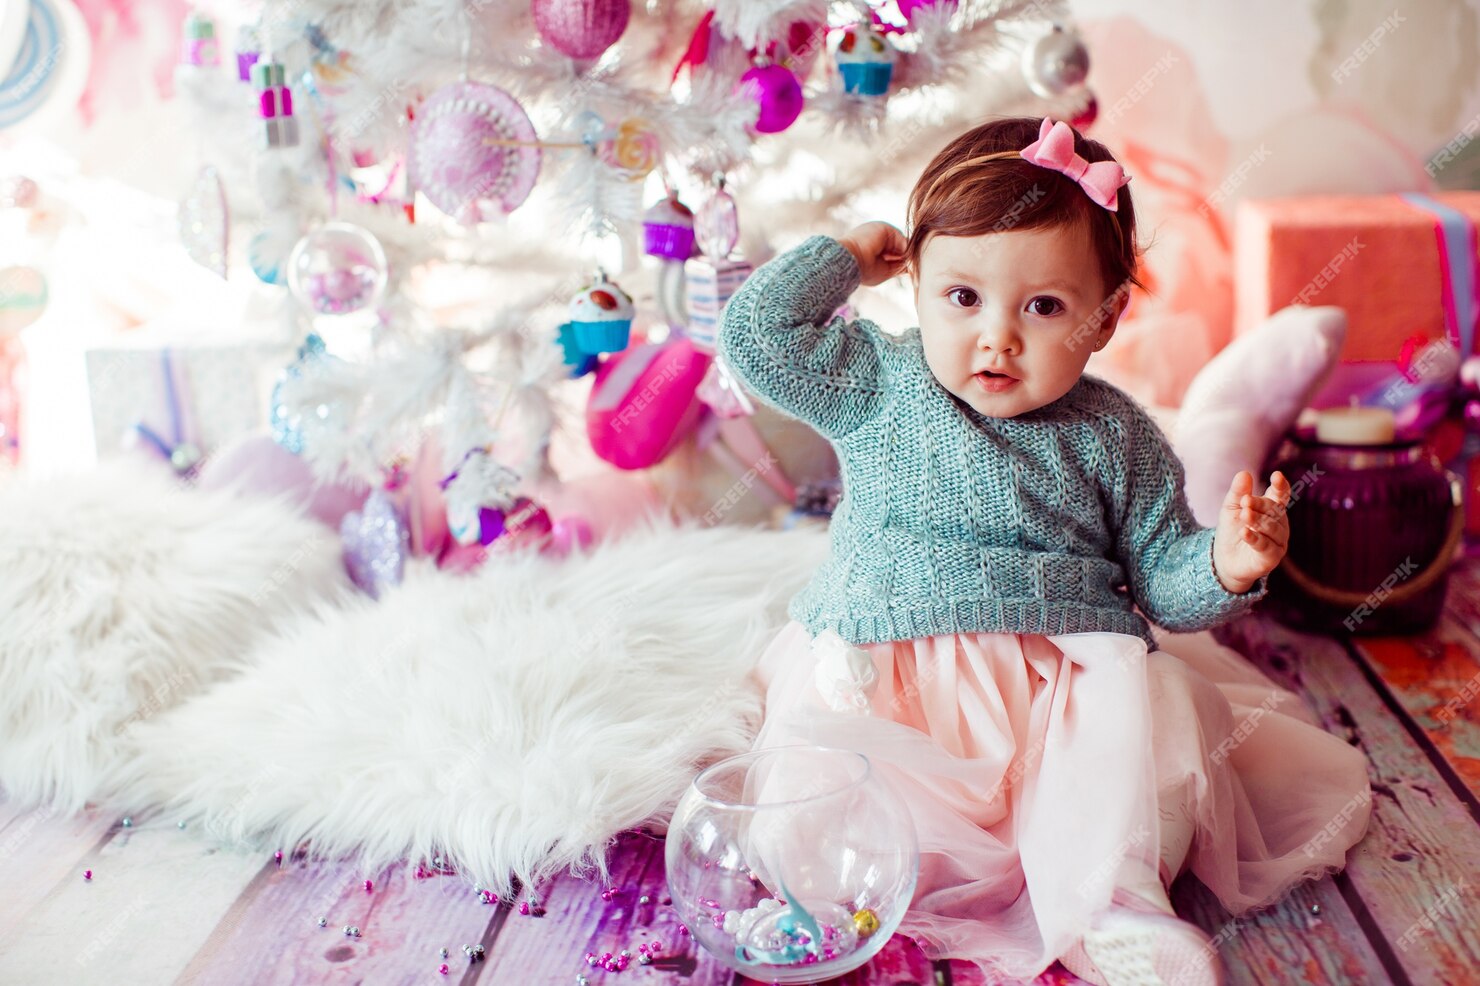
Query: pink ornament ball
258,465
908,7
581,28
571,534
1087,115
778,93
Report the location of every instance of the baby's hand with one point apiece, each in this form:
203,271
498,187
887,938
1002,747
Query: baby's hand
1252,533
879,249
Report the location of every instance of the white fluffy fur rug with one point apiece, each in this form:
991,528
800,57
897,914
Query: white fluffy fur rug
514,720
122,594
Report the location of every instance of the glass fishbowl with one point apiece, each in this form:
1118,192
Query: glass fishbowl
793,864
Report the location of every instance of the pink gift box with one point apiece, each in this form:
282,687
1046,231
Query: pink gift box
1376,256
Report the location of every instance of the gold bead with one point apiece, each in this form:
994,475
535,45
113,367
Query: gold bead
866,922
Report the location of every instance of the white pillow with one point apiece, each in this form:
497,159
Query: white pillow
1243,401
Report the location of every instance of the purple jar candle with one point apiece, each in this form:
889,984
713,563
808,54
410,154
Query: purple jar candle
1373,529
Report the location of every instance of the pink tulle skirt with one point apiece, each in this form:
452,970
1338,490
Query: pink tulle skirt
1039,769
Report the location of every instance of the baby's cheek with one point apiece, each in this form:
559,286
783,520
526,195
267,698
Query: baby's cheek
947,370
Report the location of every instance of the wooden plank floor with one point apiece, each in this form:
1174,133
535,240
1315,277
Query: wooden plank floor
167,905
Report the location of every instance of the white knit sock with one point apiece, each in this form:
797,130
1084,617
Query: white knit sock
1176,834
1137,877
1136,874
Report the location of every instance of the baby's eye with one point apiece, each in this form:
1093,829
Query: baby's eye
1045,306
963,297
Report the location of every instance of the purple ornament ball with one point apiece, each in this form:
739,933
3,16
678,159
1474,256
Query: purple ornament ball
581,28
778,94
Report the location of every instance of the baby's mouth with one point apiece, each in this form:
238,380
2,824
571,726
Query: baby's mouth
994,382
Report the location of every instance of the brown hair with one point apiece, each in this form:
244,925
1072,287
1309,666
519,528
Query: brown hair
980,184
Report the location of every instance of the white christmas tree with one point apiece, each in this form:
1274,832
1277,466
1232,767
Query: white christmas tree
432,181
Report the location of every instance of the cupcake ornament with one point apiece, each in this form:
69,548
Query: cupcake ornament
602,317
668,230
865,60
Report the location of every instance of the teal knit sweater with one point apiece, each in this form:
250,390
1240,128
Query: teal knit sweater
1059,520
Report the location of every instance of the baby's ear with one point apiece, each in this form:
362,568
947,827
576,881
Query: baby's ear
1118,302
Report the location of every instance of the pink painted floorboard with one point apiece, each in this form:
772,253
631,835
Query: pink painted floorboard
271,934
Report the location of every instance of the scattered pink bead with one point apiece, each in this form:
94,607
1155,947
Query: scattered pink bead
591,958
87,874
277,857
369,886
622,962
606,957
683,930
443,969
524,907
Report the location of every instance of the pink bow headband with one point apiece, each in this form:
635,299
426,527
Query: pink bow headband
1054,149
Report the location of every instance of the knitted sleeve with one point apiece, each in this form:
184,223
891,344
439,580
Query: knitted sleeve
777,337
1167,555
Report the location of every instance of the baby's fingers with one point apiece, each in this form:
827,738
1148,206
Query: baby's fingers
1266,546
1279,489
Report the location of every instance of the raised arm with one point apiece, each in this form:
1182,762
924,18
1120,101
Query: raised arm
778,338
1167,556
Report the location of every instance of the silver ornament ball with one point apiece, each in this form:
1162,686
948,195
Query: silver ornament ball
337,269
1055,63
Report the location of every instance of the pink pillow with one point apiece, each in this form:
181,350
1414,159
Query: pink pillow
1241,403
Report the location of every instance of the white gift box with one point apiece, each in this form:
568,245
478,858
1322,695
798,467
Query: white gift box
220,393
